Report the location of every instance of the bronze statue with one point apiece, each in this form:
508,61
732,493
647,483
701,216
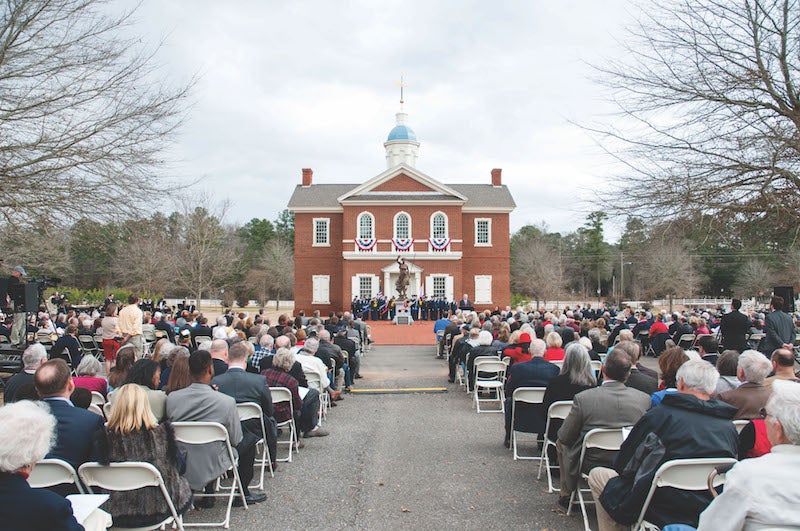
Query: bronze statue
403,279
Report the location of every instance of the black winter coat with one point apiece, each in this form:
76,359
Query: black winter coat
687,428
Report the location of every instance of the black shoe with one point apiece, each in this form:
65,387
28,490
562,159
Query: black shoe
357,376
253,497
563,502
507,444
205,503
451,380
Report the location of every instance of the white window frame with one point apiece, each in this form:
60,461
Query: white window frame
358,225
443,279
371,279
327,242
314,280
488,235
396,216
446,224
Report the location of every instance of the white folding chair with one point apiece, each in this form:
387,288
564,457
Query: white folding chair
314,382
98,398
527,395
107,407
559,364
52,472
492,381
94,408
474,363
200,433
740,424
130,475
280,395
597,367
557,410
682,474
686,341
251,410
608,439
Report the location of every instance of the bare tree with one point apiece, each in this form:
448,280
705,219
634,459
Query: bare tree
279,264
534,270
709,109
753,278
83,117
667,270
202,256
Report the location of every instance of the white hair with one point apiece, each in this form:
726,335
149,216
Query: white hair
755,365
484,338
784,405
698,375
586,342
324,335
311,345
266,341
221,321
89,366
27,432
537,347
625,335
32,357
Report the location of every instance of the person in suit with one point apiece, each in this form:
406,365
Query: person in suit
465,304
26,431
612,405
778,327
200,402
530,418
708,348
32,358
637,379
75,427
753,394
247,387
734,327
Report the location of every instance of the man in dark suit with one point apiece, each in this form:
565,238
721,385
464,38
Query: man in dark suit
734,327
708,348
530,418
75,427
778,327
612,405
247,387
637,379
165,326
465,304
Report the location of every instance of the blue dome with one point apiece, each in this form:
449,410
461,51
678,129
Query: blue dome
402,132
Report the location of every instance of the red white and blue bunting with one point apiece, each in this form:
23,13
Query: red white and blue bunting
365,244
439,244
403,244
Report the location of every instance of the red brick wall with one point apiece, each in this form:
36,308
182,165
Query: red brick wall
402,183
311,261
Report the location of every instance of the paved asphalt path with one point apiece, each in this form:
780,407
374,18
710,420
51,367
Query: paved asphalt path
404,461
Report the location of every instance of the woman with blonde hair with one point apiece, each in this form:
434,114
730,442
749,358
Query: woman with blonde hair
133,434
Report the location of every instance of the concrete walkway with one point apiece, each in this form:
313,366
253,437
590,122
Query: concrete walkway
405,461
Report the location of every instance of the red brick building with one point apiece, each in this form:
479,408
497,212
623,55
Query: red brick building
454,237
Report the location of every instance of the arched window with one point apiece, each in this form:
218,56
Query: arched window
402,226
439,225
366,226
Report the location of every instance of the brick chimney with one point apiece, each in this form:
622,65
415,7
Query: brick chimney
497,180
307,174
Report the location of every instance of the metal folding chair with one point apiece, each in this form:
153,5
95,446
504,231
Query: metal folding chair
527,395
52,472
251,410
557,410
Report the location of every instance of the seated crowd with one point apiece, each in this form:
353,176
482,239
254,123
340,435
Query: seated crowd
686,413
150,385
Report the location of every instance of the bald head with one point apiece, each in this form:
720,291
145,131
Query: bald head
282,342
52,379
219,350
783,362
324,335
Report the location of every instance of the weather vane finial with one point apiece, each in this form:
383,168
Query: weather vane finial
401,84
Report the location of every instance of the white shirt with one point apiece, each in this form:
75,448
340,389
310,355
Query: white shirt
759,493
312,364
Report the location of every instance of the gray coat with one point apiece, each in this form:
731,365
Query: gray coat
778,329
612,405
199,402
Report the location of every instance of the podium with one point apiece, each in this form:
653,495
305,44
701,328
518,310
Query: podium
403,317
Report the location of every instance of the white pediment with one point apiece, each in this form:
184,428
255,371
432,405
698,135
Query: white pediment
395,268
408,171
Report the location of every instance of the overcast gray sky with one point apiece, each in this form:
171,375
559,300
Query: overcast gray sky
288,85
